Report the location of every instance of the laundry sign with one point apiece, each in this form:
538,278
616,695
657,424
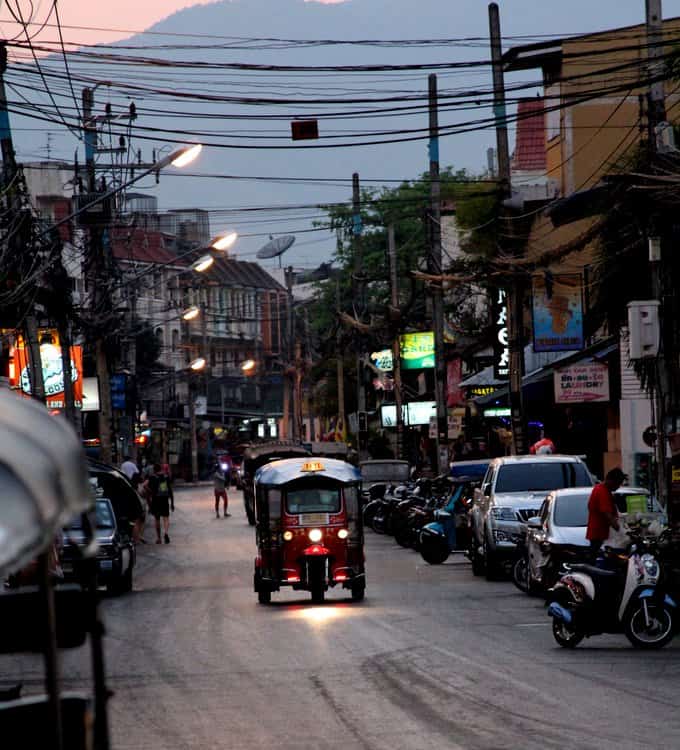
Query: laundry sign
582,384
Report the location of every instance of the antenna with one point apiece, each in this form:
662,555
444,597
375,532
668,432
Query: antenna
275,248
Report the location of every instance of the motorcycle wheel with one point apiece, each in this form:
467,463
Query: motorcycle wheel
404,537
657,634
369,515
434,550
378,523
520,574
566,636
476,560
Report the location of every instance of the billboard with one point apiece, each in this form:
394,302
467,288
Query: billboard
582,384
557,313
53,374
417,350
501,341
415,413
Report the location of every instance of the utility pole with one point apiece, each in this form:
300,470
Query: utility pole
656,114
396,330
192,428
289,406
339,362
515,290
437,288
359,308
97,294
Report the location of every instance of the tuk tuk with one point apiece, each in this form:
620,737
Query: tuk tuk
259,454
309,528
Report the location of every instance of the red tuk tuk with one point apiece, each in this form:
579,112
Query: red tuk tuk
309,528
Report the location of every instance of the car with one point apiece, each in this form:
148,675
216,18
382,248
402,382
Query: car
512,491
383,472
557,534
115,551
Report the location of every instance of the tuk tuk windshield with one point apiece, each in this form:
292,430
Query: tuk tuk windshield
313,500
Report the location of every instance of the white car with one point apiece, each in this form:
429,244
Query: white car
557,534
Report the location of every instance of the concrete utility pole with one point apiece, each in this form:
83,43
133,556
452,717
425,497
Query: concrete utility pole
94,270
289,406
339,362
515,290
359,309
656,115
396,346
436,289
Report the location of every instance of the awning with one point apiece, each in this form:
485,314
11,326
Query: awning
597,352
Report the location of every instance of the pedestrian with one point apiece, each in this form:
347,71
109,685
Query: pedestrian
220,485
131,471
602,512
159,492
165,469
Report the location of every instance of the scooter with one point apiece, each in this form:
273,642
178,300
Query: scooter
590,600
439,538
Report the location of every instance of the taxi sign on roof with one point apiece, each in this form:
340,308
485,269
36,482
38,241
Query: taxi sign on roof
313,466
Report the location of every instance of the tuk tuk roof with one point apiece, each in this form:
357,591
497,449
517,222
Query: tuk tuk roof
290,469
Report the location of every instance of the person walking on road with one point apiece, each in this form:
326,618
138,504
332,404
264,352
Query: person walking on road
602,512
159,492
220,483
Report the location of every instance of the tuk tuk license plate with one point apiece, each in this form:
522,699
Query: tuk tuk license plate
314,519
106,564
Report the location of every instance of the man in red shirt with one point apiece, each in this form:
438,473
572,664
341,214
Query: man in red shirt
602,512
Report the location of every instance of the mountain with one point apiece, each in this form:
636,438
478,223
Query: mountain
350,20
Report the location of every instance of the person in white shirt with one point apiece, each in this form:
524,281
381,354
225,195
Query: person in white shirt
129,468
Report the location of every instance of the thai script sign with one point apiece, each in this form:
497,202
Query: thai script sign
582,384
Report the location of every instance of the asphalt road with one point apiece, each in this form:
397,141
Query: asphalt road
433,658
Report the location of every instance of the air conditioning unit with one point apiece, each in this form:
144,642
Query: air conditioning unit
643,329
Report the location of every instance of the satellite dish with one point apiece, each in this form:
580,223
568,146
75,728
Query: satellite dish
275,248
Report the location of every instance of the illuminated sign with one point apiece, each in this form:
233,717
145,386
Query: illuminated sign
383,359
417,350
52,370
501,411
415,413
482,390
501,344
312,466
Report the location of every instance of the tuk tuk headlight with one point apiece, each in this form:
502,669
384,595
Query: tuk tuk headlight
287,536
315,535
343,534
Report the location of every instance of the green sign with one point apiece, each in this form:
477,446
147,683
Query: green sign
417,350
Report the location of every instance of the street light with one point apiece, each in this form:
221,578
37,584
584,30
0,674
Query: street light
197,364
203,263
224,241
183,156
191,312
248,365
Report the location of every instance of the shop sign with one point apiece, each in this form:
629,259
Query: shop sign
481,390
90,394
497,411
558,313
433,427
582,384
382,359
454,423
501,345
417,350
415,413
53,373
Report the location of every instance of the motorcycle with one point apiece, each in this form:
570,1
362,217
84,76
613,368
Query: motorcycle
591,600
448,530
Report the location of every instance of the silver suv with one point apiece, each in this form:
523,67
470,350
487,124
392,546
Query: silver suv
512,491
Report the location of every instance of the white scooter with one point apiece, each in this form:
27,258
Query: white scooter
623,597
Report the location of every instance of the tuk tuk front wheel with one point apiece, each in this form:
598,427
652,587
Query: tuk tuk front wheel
358,593
264,597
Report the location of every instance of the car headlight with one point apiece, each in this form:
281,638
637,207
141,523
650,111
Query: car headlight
287,536
343,534
650,565
503,514
315,535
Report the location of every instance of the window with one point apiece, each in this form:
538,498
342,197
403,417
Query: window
572,510
313,500
536,477
175,339
274,502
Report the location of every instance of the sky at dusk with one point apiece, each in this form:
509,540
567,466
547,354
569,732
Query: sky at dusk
122,16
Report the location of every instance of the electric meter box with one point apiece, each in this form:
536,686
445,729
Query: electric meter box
643,329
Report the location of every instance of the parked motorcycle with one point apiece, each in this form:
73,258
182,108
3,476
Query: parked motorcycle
626,596
448,530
